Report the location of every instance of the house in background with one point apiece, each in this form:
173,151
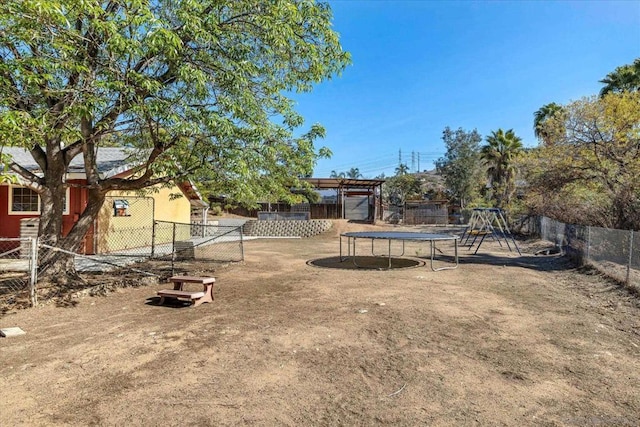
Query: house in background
123,215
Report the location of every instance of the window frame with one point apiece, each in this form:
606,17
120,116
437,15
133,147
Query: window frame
66,209
121,208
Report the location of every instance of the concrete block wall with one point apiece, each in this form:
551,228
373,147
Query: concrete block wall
286,228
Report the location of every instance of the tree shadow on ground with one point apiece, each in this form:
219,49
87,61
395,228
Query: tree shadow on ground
556,262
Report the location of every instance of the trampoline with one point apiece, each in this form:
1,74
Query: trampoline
402,236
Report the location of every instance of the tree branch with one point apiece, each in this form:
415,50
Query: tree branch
39,156
26,174
19,103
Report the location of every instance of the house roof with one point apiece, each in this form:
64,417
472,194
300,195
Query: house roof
110,161
192,194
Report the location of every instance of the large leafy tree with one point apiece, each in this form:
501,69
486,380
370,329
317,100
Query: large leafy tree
461,166
625,78
402,187
590,175
5,162
499,155
540,117
186,86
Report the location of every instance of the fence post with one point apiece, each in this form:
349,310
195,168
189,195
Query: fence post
173,249
241,244
630,256
153,238
33,270
588,243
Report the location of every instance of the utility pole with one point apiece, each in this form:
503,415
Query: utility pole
413,161
418,162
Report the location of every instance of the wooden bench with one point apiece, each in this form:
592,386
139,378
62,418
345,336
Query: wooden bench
194,297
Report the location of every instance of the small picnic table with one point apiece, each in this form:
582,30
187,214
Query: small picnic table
195,297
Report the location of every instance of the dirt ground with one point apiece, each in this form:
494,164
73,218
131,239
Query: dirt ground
501,340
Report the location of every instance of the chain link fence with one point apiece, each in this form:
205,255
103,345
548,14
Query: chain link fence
616,253
18,263
211,242
140,252
126,225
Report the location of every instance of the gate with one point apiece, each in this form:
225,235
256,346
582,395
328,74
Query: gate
356,208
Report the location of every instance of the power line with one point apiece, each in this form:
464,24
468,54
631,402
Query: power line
373,166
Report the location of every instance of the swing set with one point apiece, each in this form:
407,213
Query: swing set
488,222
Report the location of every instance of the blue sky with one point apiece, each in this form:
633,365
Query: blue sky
419,66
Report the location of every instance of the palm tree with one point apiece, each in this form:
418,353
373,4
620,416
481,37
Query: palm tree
499,154
542,117
402,169
335,174
625,78
354,173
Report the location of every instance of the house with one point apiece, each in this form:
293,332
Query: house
124,213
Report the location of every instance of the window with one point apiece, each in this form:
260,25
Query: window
25,201
121,208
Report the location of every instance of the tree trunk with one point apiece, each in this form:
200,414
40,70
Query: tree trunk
79,230
60,265
52,203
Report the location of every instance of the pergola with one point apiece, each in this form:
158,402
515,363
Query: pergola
372,188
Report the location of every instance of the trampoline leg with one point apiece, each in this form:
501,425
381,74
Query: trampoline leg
433,252
354,252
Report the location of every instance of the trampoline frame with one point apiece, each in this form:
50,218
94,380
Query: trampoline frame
402,236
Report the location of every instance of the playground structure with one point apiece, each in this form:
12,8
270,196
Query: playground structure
488,222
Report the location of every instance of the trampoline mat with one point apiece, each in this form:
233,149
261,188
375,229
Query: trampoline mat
366,263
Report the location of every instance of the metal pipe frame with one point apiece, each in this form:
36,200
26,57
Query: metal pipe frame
351,242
